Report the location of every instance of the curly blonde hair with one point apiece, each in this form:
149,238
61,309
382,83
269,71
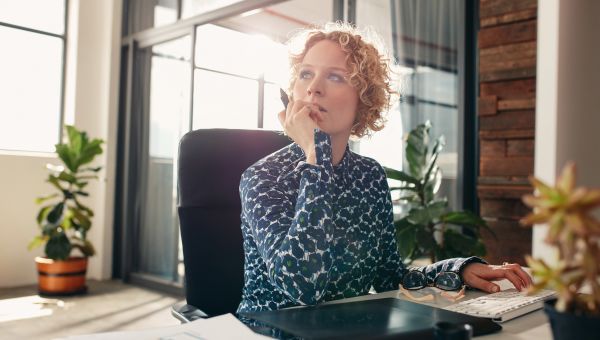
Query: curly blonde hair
369,70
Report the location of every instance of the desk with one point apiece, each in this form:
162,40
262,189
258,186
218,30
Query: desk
530,326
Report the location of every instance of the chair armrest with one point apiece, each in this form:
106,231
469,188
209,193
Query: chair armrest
186,313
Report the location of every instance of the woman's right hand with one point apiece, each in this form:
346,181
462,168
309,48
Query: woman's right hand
299,121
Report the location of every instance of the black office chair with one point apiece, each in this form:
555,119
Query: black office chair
211,162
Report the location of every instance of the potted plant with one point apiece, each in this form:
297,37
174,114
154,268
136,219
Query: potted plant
575,233
430,229
63,220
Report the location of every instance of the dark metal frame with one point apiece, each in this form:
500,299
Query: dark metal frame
63,70
468,159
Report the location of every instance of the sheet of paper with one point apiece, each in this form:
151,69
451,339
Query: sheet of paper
223,327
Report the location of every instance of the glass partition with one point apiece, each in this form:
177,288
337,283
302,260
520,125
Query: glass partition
424,38
167,97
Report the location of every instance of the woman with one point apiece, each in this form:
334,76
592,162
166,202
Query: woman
317,218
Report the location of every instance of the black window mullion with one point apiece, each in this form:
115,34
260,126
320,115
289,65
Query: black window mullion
261,99
192,80
468,161
63,74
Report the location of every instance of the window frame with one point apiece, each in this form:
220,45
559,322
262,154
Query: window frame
124,234
61,109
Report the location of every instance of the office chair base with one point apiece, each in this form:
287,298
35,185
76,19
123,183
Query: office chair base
187,313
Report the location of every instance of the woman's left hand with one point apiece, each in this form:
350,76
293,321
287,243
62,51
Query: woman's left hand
478,275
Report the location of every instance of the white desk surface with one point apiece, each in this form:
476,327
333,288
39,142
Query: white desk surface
529,326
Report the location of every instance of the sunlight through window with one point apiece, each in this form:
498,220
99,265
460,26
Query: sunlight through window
27,307
227,79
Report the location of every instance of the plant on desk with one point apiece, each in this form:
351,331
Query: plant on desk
64,224
575,233
429,229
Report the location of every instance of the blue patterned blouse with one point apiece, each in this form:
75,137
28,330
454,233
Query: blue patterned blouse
314,233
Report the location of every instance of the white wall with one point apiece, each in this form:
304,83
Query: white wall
91,99
21,180
568,95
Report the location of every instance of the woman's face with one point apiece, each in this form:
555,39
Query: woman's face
323,80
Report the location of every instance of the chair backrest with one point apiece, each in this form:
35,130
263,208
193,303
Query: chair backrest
211,162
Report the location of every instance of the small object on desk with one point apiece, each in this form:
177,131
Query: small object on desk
452,331
503,306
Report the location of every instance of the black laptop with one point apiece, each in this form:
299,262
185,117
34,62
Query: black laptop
388,318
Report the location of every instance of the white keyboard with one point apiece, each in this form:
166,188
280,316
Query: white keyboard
504,305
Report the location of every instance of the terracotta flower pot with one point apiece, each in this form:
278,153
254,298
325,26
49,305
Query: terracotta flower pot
61,277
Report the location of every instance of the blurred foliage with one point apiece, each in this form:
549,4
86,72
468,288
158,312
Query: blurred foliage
575,232
429,229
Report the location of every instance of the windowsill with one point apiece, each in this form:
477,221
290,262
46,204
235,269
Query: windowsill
38,154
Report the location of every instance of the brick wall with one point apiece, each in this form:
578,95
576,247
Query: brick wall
506,108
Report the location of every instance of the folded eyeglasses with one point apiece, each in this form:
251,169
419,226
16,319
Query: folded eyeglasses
446,281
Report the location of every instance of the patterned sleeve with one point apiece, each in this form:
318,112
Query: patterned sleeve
294,241
391,268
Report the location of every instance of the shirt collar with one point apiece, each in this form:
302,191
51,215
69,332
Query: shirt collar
297,154
343,168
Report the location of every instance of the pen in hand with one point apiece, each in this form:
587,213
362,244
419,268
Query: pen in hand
284,97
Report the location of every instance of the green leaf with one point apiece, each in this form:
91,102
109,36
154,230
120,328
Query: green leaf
40,200
81,185
428,214
400,175
58,247
437,208
36,242
82,193
54,181
49,229
432,168
79,150
67,177
458,244
76,138
84,208
425,240
64,153
406,238
90,151
83,221
467,219
433,185
88,248
419,215
43,214
416,149
56,213
96,169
